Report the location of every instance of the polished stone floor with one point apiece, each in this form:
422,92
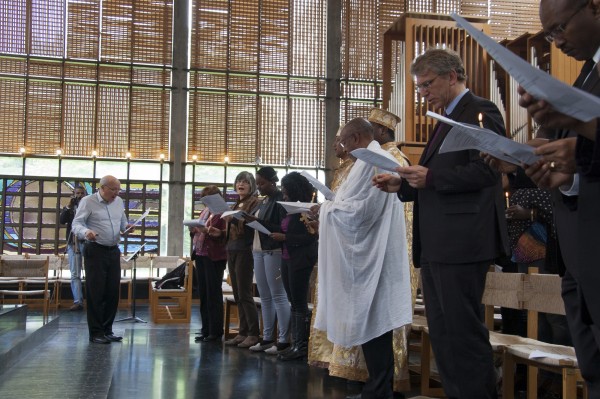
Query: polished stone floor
161,362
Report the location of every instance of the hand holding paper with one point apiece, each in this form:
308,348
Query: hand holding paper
464,136
215,203
137,222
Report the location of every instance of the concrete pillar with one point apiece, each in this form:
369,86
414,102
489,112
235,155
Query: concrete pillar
334,73
179,116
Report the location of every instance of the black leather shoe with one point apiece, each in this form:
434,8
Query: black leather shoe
113,337
200,338
211,338
99,340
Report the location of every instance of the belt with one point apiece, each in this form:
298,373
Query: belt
106,247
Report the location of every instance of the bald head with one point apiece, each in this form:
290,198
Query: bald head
357,133
109,188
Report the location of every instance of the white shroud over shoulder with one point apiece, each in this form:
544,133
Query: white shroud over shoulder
364,280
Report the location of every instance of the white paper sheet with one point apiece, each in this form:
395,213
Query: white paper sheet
137,222
329,195
257,226
297,207
564,98
215,203
237,214
464,136
538,354
193,223
127,259
375,159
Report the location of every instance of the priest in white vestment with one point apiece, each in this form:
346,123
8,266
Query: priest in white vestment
364,281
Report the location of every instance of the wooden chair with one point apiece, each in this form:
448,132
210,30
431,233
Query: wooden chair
22,272
542,293
161,265
54,270
174,305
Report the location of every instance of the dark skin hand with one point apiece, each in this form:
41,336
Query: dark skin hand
545,115
518,212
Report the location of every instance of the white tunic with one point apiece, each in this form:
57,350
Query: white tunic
364,280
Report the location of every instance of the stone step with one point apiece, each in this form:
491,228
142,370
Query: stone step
20,334
12,316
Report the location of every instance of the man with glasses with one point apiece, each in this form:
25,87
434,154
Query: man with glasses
100,220
459,228
570,166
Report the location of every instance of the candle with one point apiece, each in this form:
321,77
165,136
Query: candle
481,123
506,195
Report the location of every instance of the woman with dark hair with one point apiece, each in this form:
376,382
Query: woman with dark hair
241,264
210,257
298,259
267,264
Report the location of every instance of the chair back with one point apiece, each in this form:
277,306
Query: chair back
543,294
24,268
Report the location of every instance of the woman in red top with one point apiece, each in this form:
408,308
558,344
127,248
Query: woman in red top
210,257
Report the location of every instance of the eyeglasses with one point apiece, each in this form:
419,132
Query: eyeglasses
560,29
113,189
427,84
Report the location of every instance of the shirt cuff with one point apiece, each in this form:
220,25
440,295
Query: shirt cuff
573,189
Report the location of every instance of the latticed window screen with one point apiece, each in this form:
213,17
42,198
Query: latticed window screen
85,75
31,208
257,81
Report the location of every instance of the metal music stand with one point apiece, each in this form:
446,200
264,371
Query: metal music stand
133,317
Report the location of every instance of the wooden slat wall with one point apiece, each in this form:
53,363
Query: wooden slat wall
72,83
259,97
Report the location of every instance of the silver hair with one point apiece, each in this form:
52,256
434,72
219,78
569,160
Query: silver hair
248,177
439,61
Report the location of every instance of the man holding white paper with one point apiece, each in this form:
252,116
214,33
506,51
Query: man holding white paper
100,220
364,281
459,228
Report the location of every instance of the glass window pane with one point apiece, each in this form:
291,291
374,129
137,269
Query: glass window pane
77,168
41,166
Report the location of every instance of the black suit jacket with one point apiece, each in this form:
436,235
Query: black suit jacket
460,219
587,246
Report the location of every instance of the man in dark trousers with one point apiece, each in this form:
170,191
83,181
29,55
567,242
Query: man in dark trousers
459,228
74,247
100,220
574,27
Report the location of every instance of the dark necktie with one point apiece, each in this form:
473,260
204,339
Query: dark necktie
583,76
585,72
433,141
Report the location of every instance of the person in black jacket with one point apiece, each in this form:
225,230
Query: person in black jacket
299,255
267,264
67,214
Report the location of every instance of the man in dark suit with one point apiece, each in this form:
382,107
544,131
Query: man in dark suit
459,228
575,29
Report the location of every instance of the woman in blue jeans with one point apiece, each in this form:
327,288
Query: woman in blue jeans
300,247
267,264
